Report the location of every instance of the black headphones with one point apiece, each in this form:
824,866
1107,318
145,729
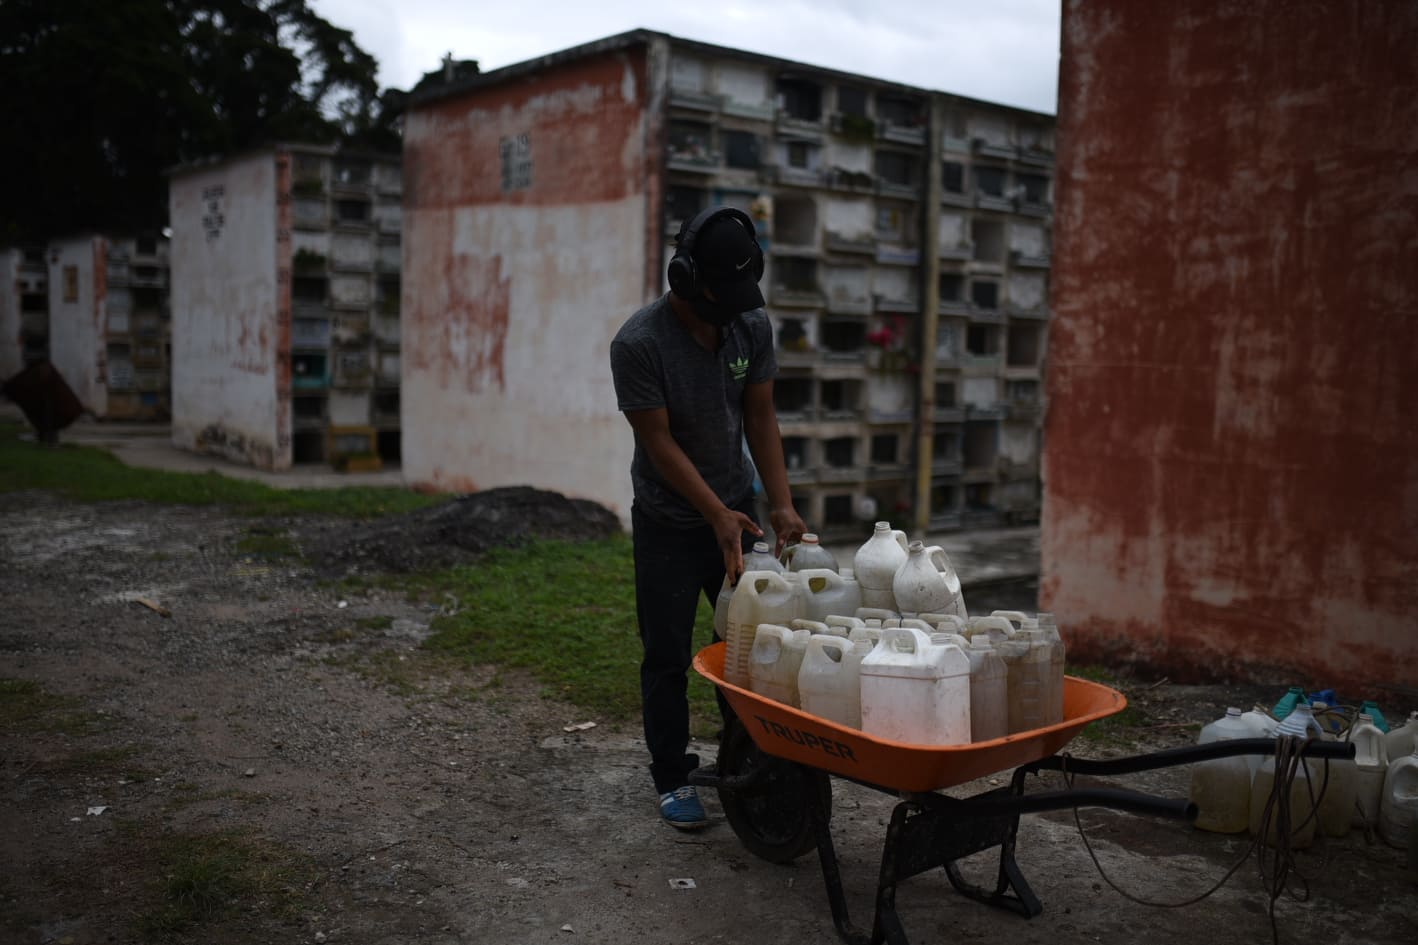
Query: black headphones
683,273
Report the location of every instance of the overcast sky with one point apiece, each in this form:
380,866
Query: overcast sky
1003,51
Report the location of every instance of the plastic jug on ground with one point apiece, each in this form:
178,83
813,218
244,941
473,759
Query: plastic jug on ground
1398,814
1371,708
1401,739
927,582
1015,617
1221,787
995,629
1371,765
812,626
1295,696
775,661
875,564
843,621
1339,779
759,559
808,554
875,613
938,638
915,692
826,593
1303,823
830,683
761,597
989,691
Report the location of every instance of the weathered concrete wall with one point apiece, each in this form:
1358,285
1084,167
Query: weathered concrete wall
78,322
527,214
1232,470
12,359
226,331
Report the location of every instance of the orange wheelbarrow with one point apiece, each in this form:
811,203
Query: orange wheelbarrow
774,781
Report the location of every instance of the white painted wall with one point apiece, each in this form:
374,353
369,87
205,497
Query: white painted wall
78,323
1019,442
848,157
992,129
846,284
896,283
1028,239
11,350
1026,289
743,84
224,325
572,276
850,219
954,230
979,391
688,74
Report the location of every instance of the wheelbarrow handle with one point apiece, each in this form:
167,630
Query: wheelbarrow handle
1190,754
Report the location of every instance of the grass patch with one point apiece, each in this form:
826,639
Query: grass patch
380,622
26,708
262,542
1124,725
206,877
565,612
87,474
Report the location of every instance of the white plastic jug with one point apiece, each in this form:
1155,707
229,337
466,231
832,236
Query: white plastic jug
915,692
938,638
1015,617
827,593
989,691
1339,779
761,597
1303,823
830,681
1261,725
946,623
927,582
865,634
1026,654
875,565
759,559
1398,814
1401,739
775,661
875,613
1221,787
808,554
996,629
844,621
1054,707
1371,763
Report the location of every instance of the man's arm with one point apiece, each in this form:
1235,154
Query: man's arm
652,428
760,423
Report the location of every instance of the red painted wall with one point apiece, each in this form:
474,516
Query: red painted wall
1231,447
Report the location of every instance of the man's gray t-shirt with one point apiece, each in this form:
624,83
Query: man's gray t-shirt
656,363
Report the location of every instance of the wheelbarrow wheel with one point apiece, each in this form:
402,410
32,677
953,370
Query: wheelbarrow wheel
771,817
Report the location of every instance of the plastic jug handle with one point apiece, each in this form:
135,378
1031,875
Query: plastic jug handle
937,556
900,537
786,558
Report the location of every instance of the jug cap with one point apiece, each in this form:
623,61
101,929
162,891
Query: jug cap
761,547
809,538
1232,712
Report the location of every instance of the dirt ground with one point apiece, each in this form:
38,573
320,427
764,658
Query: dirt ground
378,796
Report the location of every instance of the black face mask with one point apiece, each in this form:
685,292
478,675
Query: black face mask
714,313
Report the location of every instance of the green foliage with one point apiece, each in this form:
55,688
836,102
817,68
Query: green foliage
92,475
27,709
566,613
114,92
210,876
857,129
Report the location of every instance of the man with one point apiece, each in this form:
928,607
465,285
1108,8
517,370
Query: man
694,376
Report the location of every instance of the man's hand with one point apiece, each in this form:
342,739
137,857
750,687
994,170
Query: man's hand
787,525
729,527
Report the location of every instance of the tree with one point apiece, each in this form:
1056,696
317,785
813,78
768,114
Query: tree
102,96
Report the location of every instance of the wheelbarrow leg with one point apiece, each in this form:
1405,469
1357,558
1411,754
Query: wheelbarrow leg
831,871
930,830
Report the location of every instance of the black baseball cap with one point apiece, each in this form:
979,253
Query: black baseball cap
726,258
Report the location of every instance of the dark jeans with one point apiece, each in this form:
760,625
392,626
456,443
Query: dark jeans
673,566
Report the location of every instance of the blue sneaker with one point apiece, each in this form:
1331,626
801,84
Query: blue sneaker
681,808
